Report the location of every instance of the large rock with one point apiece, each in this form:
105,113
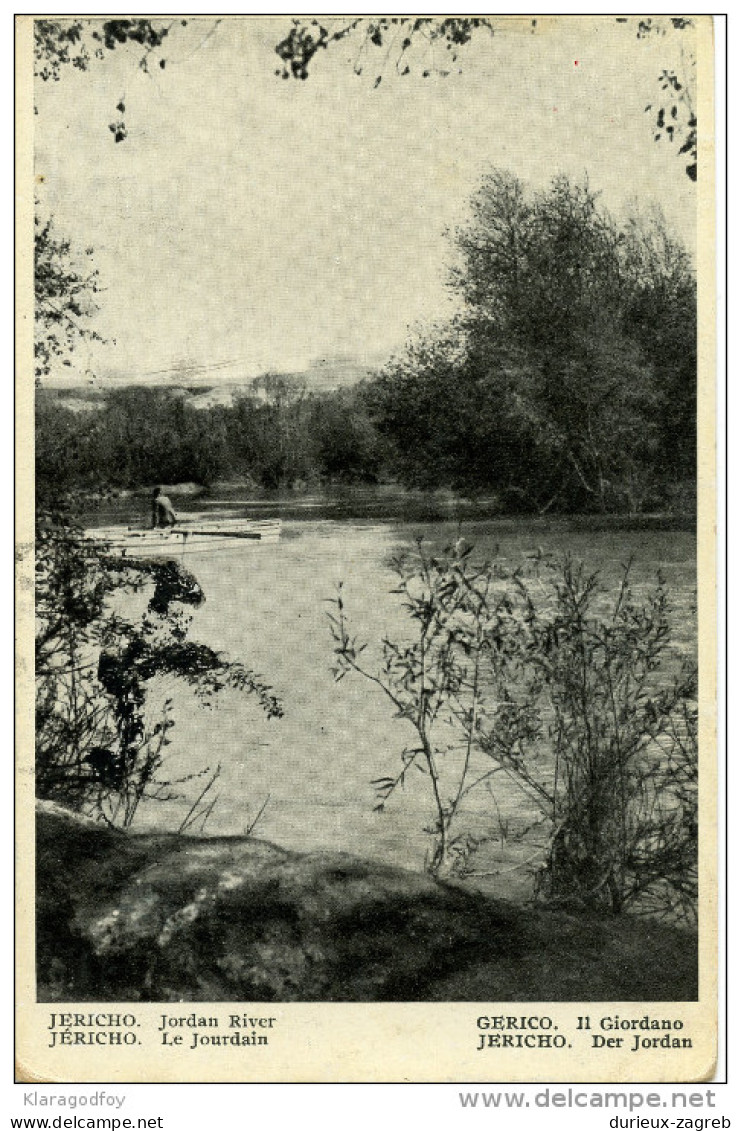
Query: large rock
170,918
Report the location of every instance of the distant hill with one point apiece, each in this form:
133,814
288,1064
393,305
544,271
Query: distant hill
335,373
322,376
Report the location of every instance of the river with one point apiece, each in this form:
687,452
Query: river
266,605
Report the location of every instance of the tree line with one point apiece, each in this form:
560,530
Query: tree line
141,436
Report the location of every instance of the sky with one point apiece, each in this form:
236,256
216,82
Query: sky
249,223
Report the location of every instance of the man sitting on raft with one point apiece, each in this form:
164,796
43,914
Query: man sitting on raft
162,513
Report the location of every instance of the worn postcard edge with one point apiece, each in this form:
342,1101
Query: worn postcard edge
353,1042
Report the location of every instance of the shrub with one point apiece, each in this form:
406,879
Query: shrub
538,674
597,723
95,750
433,681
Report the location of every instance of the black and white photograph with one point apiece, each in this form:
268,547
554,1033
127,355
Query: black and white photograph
366,547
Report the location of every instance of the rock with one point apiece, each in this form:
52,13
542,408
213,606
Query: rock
125,917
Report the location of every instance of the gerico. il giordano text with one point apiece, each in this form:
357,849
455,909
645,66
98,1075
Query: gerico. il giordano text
540,1032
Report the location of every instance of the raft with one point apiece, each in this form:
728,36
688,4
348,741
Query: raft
186,536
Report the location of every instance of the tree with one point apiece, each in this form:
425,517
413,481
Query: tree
64,298
451,423
346,441
558,277
552,389
661,316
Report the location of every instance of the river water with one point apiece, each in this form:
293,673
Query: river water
266,605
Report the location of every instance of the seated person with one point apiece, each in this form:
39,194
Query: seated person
162,513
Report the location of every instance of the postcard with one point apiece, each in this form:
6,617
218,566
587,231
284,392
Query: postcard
366,654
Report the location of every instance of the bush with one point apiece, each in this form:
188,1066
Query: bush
95,751
573,694
598,725
434,683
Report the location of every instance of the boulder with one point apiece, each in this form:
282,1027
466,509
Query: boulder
125,917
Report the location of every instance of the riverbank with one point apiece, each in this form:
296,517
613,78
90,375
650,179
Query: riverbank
124,917
387,502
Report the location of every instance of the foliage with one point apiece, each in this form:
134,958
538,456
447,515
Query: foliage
97,750
346,442
399,45
407,44
594,725
660,316
569,384
534,674
64,298
569,381
408,40
136,436
675,118
76,43
433,681
404,41
61,43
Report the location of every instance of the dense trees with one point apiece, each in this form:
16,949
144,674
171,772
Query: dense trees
138,436
569,382
661,316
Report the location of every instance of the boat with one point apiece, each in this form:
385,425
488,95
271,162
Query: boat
188,536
